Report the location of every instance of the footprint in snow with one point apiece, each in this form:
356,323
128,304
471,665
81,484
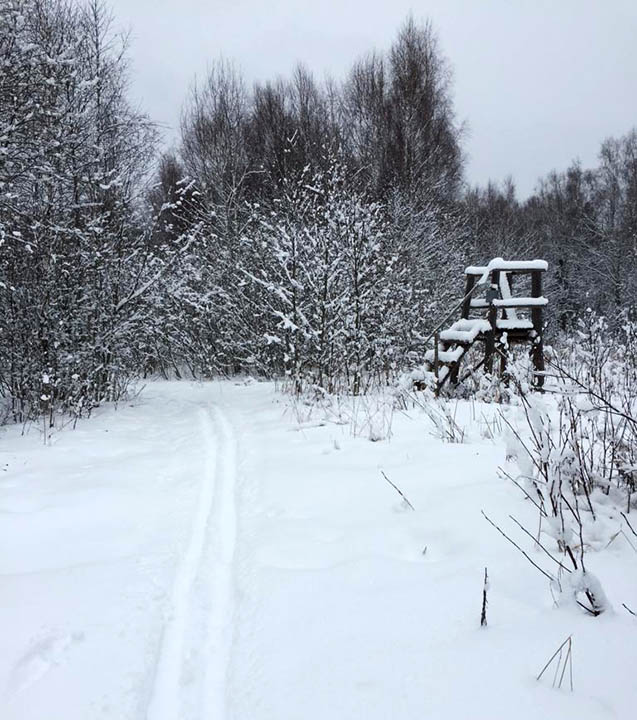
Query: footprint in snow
44,654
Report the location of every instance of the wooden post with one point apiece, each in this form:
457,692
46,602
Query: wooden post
504,358
489,341
454,371
537,348
466,305
436,363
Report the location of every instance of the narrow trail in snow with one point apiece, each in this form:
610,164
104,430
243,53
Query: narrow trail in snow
191,671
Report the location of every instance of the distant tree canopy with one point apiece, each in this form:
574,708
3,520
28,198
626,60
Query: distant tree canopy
391,120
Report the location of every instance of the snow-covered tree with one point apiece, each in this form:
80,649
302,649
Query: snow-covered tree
73,158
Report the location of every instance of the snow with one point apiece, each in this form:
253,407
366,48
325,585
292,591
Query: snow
207,551
505,291
520,302
445,356
511,302
202,593
508,265
465,330
514,324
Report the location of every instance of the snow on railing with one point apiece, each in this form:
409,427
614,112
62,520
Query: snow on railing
445,356
508,265
510,302
465,330
515,324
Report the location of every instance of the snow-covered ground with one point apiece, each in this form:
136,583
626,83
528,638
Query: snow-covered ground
200,554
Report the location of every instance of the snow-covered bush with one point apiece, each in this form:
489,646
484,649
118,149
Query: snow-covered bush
578,457
326,285
596,374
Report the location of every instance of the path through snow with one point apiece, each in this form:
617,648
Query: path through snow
117,548
190,680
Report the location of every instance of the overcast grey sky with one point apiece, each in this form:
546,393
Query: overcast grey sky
539,82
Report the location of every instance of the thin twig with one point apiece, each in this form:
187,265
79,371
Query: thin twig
550,577
570,554
520,487
568,662
628,539
589,610
554,655
539,544
628,523
398,490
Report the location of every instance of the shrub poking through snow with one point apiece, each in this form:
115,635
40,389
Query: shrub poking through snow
369,415
441,413
578,462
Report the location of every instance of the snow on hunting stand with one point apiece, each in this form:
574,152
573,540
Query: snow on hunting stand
504,319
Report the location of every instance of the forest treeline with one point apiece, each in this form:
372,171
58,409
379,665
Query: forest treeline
314,230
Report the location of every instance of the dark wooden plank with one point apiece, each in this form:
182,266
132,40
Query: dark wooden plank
466,305
490,336
537,348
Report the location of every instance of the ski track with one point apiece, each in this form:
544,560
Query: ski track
190,680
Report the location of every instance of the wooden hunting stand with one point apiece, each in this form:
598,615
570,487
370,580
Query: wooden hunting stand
500,323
